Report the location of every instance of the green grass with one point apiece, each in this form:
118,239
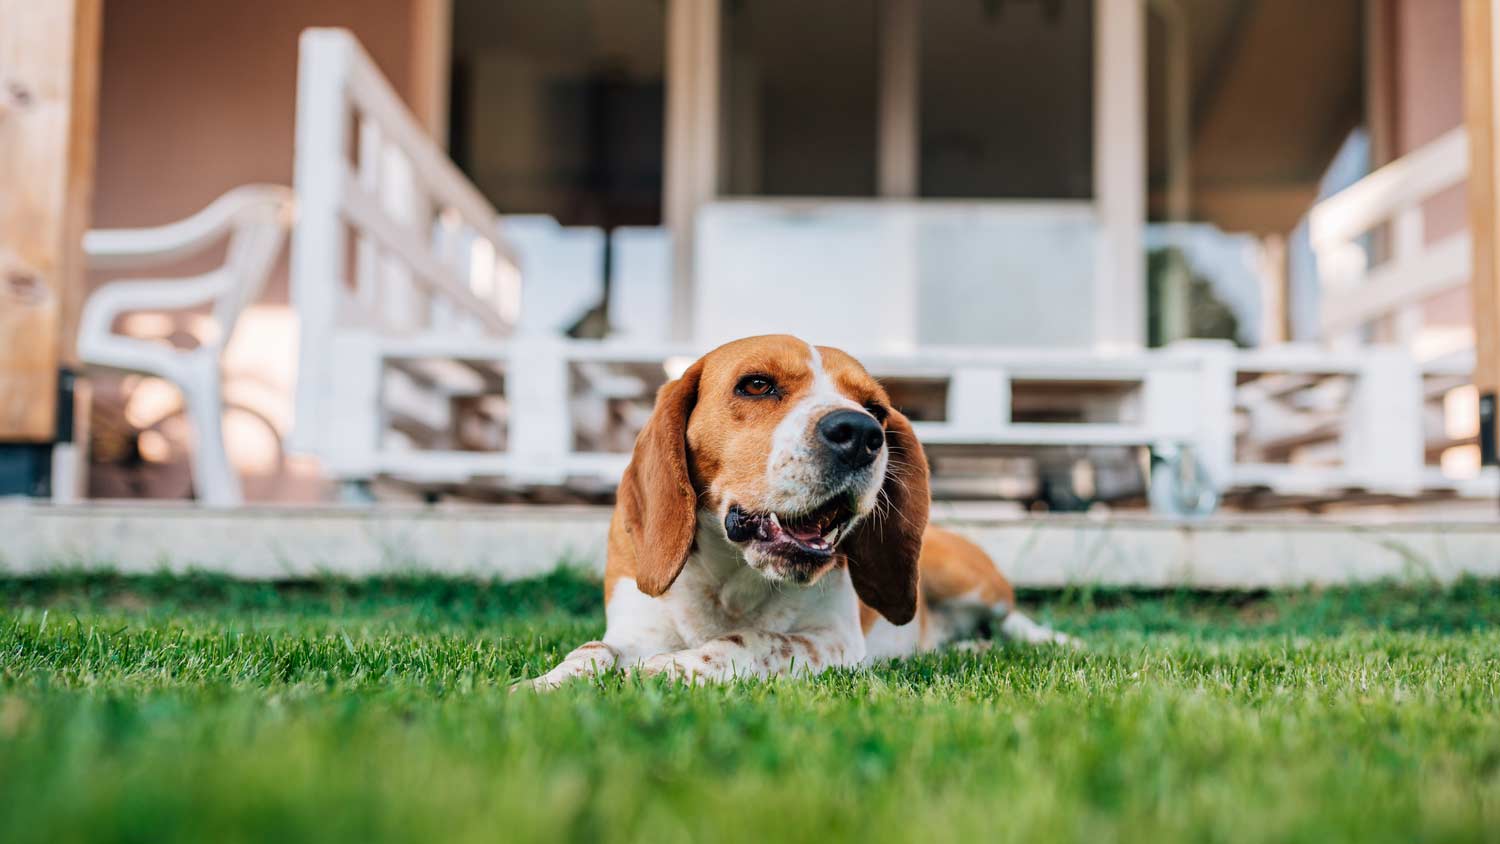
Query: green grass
199,709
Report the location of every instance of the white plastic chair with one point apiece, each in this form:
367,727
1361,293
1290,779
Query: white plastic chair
255,219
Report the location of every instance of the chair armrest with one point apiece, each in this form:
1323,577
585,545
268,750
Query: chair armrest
99,345
135,247
96,338
156,294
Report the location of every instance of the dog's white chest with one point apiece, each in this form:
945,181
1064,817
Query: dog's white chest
710,600
743,593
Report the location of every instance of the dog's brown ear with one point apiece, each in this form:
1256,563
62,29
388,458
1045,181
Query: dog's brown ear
884,548
656,496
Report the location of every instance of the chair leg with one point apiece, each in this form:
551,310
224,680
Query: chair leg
214,478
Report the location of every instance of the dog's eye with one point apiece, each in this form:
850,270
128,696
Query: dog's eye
877,410
755,387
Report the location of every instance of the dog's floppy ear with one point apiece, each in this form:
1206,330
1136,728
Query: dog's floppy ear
884,548
656,496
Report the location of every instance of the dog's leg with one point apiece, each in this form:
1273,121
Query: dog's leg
636,628
585,660
960,618
963,589
1017,627
758,653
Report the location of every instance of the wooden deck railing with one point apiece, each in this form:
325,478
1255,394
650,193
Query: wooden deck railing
1377,263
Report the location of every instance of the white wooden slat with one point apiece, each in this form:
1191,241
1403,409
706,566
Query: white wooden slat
1296,359
1038,434
979,399
367,255
1405,181
1410,228
373,95
364,212
1291,479
1441,267
318,238
459,466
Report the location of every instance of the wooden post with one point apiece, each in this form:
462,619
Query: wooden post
1275,298
1481,23
1380,87
693,137
900,47
1120,172
1179,106
49,65
431,56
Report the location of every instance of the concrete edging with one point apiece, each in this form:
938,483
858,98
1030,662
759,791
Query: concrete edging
520,541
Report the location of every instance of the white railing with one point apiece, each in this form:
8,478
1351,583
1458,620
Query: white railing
1160,399
1386,212
424,357
1326,424
1366,410
391,240
1318,422
422,360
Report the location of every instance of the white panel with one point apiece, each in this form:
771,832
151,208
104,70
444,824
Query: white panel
887,276
1006,279
640,289
842,274
563,270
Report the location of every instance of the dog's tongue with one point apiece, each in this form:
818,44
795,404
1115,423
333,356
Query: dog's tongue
805,532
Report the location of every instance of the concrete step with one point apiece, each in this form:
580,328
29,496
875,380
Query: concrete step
515,541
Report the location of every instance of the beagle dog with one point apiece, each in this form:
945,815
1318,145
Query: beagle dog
773,520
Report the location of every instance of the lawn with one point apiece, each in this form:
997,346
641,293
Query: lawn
198,709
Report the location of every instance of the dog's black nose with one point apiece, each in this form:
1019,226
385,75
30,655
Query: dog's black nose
853,437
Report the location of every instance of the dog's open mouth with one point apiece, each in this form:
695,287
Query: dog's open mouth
808,537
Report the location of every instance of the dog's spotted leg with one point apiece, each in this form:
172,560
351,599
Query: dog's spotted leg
636,628
585,661
1017,627
757,653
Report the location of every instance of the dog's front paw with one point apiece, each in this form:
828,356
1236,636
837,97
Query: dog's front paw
544,683
679,666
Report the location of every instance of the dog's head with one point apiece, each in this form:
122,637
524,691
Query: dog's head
797,455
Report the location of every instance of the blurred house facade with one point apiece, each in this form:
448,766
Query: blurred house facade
893,176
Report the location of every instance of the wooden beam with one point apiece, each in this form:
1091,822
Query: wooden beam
900,50
1380,81
49,76
431,60
1481,21
1262,208
1177,57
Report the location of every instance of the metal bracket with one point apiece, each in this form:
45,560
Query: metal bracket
1489,455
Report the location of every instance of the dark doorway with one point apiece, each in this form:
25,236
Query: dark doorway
558,107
